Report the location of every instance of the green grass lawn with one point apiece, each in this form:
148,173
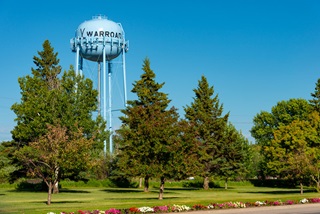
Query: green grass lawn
74,199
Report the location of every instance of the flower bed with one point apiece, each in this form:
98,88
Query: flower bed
184,208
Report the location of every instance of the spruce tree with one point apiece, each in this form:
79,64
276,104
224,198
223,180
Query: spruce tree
236,155
315,102
47,98
149,137
60,100
207,122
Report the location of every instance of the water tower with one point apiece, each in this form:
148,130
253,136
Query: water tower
101,40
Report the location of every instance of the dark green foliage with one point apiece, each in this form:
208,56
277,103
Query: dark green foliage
48,99
147,128
152,141
280,183
6,166
208,125
32,185
315,102
235,155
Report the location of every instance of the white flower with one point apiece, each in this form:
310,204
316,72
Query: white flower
181,208
303,201
146,209
51,213
239,205
259,203
210,206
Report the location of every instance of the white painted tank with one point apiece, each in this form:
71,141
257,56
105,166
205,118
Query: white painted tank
93,35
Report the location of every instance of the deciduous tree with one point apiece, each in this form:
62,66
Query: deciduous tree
57,154
293,151
282,114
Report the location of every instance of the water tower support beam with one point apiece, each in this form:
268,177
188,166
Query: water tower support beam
124,72
110,105
99,88
104,92
77,59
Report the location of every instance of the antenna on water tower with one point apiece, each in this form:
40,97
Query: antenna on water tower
101,40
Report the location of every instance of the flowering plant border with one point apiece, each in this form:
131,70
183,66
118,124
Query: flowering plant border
185,208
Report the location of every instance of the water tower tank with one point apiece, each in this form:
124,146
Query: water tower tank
93,35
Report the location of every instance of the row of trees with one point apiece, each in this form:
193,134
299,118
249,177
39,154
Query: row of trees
154,142
289,138
58,136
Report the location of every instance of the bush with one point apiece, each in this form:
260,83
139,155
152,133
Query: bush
273,183
34,185
198,183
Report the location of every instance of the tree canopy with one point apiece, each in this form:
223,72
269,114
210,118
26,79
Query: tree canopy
149,139
53,104
207,122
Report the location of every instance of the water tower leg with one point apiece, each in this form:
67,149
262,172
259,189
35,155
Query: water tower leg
124,76
77,60
104,93
99,88
110,105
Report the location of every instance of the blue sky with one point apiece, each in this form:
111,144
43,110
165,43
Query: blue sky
254,53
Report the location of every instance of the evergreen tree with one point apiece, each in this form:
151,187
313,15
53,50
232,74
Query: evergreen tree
315,102
207,122
48,99
149,144
236,155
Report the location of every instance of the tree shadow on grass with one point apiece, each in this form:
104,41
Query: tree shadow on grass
59,202
73,191
277,192
181,188
145,199
122,190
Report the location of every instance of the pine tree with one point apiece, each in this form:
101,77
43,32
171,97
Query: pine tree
149,136
48,99
315,102
236,155
207,122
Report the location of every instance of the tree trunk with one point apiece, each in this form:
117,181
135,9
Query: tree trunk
301,188
140,182
317,181
56,188
146,184
226,184
162,180
56,183
49,193
206,183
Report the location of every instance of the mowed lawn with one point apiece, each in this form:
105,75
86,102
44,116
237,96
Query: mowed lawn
74,199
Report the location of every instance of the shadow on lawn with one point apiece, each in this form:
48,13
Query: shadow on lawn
73,191
277,192
154,189
182,189
122,190
145,199
59,202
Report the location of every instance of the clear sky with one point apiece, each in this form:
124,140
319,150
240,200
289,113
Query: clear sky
254,52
